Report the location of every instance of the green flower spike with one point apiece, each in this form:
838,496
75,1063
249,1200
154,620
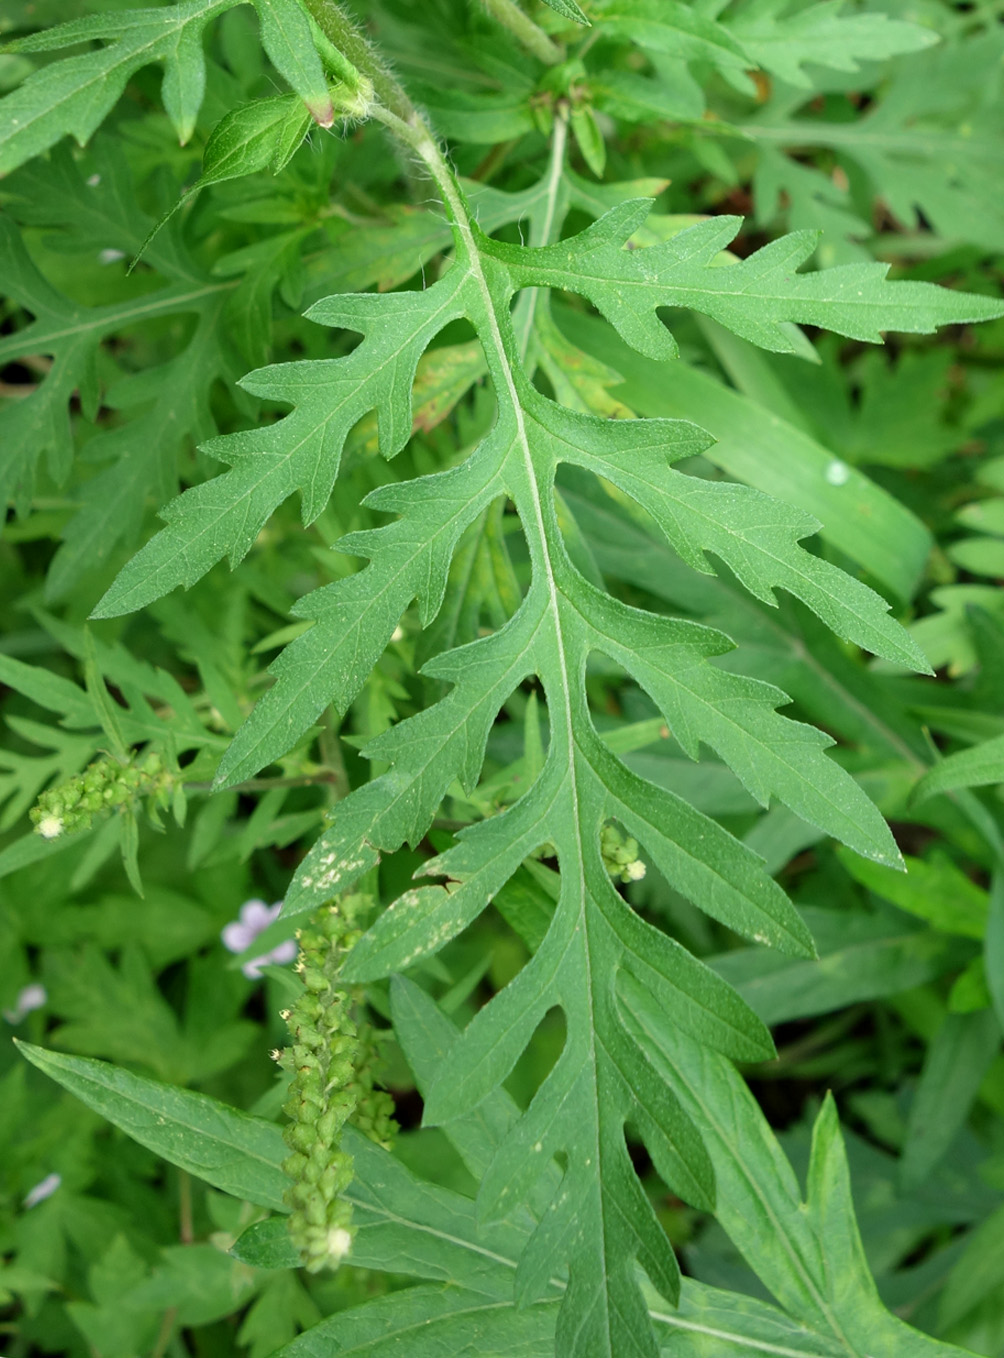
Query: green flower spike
104,785
334,1060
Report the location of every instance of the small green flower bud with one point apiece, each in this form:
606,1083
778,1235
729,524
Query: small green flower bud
314,1211
300,1136
315,980
294,1165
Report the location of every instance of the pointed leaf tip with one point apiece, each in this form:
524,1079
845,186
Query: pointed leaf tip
568,9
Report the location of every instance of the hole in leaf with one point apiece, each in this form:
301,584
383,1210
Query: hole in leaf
538,1059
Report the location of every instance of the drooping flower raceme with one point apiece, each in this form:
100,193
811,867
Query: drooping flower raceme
253,919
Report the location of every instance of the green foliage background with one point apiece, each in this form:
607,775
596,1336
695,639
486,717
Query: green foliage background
583,530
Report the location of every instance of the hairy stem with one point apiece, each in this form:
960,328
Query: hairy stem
522,27
342,31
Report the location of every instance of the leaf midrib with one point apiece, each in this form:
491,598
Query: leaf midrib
100,319
932,143
564,717
557,277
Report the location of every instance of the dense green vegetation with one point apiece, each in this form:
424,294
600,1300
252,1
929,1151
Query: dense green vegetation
521,486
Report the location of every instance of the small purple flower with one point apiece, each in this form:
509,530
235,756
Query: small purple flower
254,918
31,997
42,1190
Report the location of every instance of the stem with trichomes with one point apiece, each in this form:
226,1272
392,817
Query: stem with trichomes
341,30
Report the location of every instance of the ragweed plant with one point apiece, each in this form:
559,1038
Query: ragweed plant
590,485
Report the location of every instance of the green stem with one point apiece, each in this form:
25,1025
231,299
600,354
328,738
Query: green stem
165,1333
415,132
341,30
186,1229
522,27
543,233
